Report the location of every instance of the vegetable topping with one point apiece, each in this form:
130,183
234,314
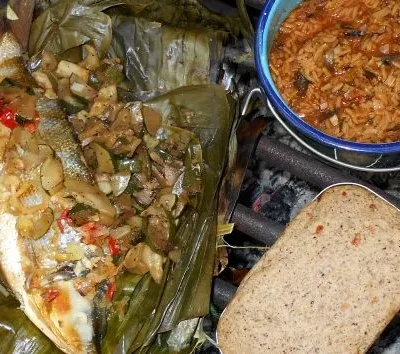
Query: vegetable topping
146,174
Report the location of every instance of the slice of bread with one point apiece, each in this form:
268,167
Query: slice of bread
330,284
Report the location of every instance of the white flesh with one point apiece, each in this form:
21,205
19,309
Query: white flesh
14,257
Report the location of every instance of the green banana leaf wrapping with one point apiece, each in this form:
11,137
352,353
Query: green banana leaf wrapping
182,339
187,14
68,24
160,58
17,333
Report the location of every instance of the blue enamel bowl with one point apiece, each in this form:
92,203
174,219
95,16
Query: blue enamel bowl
377,157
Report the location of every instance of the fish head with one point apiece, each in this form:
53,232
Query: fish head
67,320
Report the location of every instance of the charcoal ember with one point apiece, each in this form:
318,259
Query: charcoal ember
251,194
393,185
243,258
304,195
395,193
260,202
277,211
279,133
280,206
380,180
389,340
272,179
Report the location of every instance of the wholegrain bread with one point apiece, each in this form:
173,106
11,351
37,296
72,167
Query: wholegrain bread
329,285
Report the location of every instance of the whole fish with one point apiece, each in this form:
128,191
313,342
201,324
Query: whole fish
30,266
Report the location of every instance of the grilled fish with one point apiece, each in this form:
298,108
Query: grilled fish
29,262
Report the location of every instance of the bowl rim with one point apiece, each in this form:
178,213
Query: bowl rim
262,67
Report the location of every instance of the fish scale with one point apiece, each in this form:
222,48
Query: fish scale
56,132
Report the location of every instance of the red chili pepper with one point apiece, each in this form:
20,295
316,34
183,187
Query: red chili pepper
89,226
113,247
64,217
111,291
50,295
7,118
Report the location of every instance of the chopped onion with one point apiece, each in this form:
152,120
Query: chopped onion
136,222
150,142
154,262
121,232
175,255
92,60
11,15
108,94
153,211
74,252
119,182
168,201
133,260
103,181
144,197
141,259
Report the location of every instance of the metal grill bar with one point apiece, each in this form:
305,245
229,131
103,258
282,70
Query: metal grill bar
315,172
222,293
256,226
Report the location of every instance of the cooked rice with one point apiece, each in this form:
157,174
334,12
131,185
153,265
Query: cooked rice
337,64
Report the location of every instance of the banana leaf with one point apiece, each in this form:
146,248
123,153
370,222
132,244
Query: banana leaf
17,333
188,14
182,339
247,26
185,291
68,24
159,58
